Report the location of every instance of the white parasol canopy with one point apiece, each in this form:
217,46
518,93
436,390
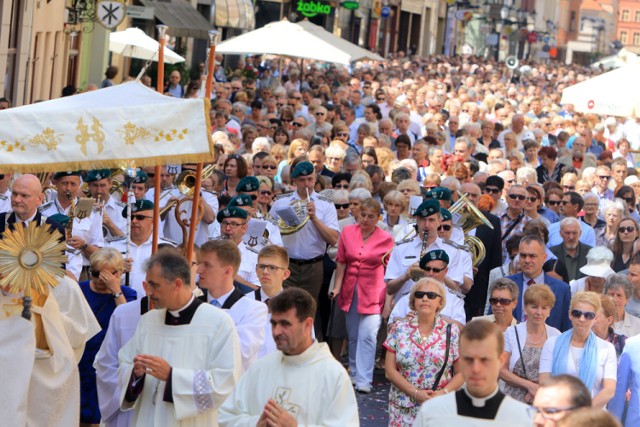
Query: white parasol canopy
134,43
122,125
295,40
615,93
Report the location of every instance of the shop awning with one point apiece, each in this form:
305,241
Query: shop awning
183,20
235,14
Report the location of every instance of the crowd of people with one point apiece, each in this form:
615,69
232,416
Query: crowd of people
334,230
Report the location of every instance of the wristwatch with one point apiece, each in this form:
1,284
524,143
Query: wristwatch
117,295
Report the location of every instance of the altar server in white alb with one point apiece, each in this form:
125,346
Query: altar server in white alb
479,402
299,385
184,358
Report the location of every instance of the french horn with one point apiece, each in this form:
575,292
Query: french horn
300,208
470,217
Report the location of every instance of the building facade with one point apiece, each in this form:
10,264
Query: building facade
628,29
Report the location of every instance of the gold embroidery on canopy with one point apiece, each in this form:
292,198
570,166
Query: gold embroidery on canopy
131,132
85,136
8,147
48,138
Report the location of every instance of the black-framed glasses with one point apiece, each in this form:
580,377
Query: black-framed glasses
494,190
589,315
269,267
501,301
435,270
140,217
629,229
430,295
341,205
517,196
233,225
96,274
445,227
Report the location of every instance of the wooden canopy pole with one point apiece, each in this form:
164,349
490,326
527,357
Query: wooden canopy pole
195,202
162,31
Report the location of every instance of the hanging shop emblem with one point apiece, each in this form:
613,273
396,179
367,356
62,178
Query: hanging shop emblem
110,13
313,8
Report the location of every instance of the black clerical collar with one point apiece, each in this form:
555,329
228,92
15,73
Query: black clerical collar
484,408
184,315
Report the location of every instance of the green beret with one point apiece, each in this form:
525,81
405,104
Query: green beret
59,175
241,200
446,215
302,169
231,212
61,219
97,175
139,205
427,208
141,177
440,193
248,184
436,254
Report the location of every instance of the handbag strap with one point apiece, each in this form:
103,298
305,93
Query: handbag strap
446,359
520,351
512,226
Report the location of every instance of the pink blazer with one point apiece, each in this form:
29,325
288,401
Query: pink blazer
363,268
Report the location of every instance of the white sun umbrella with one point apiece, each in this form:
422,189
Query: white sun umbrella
286,39
134,43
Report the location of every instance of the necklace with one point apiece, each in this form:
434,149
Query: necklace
542,339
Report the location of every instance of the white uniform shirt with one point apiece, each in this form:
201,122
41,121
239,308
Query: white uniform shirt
114,208
5,201
165,195
248,263
307,243
139,254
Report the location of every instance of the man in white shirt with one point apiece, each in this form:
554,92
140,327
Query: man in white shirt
301,384
218,266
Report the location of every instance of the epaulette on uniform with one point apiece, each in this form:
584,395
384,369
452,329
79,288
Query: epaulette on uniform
45,206
326,199
403,241
455,245
114,239
280,196
169,241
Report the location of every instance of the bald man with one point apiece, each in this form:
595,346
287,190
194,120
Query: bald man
493,258
26,196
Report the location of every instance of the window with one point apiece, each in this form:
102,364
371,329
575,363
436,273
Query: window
623,37
636,39
572,22
625,15
637,15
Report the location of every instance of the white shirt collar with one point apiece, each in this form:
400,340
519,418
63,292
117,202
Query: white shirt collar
176,313
479,402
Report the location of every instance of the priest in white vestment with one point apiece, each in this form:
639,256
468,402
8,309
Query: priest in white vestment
301,384
479,402
184,357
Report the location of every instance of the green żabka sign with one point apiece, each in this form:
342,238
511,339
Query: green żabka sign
313,8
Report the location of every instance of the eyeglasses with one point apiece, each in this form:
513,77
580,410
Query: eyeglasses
626,199
428,294
603,177
590,205
569,187
532,199
500,301
629,229
565,202
445,227
296,124
517,196
341,205
548,413
381,98
554,202
272,268
319,114
140,217
266,192
344,186
589,315
233,225
493,190
269,167
343,133
429,270
96,274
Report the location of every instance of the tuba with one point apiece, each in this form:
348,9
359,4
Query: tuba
470,217
186,183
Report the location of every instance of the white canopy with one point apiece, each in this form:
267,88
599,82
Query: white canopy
134,43
299,40
106,128
615,93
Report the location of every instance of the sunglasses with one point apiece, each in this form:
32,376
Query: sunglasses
517,196
96,274
445,227
603,177
629,229
270,167
589,315
501,301
429,270
554,202
626,199
344,187
296,124
569,187
341,205
140,217
266,192
532,199
343,134
319,114
492,190
430,295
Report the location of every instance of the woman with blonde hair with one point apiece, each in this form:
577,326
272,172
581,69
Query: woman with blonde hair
395,204
581,353
298,147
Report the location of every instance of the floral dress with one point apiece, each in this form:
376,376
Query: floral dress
419,361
